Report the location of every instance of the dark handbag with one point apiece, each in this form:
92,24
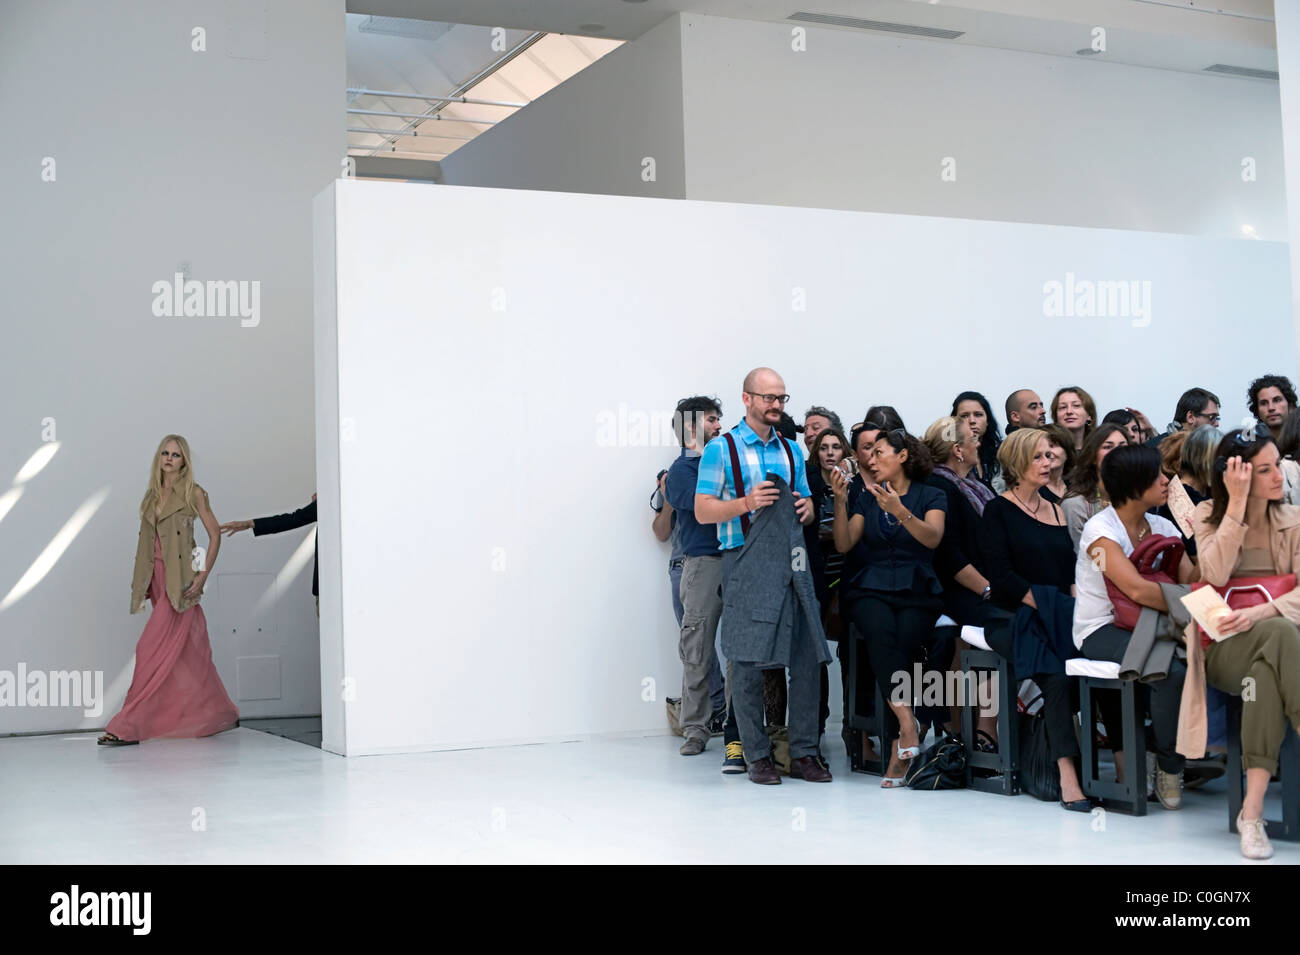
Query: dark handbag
1039,774
1242,592
942,766
1156,558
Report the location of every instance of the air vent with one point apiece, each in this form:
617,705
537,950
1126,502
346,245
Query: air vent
402,26
1242,71
910,29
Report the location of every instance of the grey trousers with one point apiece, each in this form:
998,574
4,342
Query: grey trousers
701,609
804,699
717,691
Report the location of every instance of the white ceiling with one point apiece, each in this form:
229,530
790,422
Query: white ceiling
440,59
1166,34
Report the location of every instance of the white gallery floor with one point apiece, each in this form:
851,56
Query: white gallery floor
250,797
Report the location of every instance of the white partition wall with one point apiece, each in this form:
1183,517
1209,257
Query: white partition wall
494,368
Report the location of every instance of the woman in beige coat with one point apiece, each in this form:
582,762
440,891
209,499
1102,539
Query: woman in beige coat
175,690
1245,531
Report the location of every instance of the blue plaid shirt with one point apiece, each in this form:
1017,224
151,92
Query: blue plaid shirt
757,458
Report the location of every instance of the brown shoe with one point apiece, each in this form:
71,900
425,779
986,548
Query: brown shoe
764,771
807,767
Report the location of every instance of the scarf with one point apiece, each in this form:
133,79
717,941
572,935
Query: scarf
976,492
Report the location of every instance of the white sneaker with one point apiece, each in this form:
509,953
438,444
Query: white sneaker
1254,840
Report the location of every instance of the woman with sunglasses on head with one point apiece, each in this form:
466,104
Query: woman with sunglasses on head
1245,530
1087,495
1028,556
895,596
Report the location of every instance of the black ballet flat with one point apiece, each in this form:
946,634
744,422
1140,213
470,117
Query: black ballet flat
1079,805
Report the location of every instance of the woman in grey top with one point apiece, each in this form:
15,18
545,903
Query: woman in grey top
1087,496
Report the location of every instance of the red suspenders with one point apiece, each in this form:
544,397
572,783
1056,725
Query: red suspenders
739,481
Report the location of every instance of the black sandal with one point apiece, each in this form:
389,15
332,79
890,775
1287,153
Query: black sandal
108,739
984,743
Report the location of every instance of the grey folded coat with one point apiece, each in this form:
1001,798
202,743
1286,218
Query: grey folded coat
1156,638
768,597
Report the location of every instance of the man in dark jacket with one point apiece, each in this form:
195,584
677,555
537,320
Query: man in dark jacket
278,524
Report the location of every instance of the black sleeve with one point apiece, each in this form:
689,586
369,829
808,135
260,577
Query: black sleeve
949,558
1009,588
285,522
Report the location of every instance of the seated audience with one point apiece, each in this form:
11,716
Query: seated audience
973,408
1134,484
1245,530
896,600
1074,410
1271,398
953,444
1030,564
1061,447
1087,495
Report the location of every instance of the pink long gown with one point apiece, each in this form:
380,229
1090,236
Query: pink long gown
176,690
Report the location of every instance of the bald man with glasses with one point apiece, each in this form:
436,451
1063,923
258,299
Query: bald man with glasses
733,492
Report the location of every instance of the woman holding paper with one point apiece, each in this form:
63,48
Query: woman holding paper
1245,530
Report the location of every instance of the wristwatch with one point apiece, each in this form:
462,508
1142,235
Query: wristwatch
987,590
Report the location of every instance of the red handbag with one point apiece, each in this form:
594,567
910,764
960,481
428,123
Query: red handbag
1156,558
1240,593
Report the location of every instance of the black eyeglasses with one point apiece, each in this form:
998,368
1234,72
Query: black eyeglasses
1211,418
771,399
